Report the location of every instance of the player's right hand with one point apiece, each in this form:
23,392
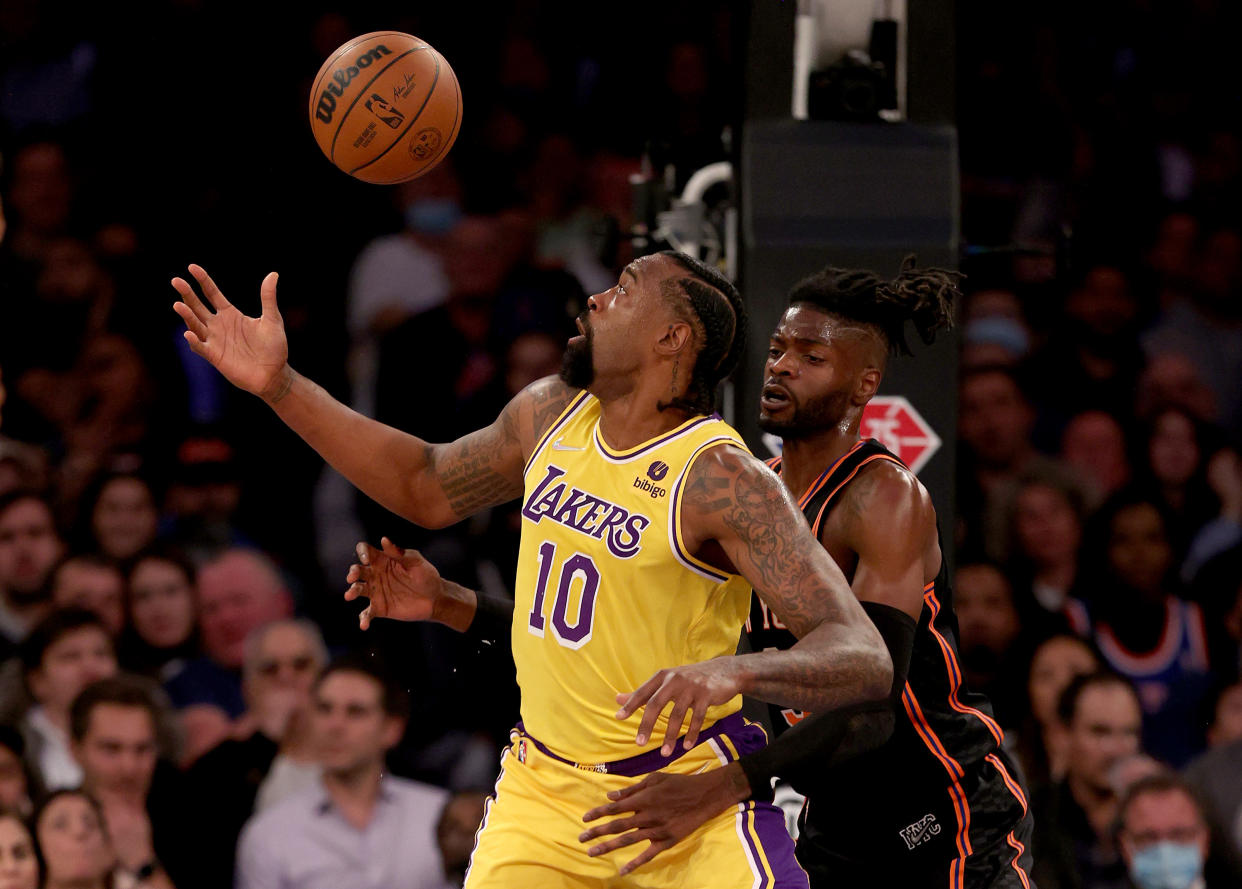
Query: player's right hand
401,584
251,353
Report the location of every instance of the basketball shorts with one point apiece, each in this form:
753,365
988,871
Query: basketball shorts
529,835
909,829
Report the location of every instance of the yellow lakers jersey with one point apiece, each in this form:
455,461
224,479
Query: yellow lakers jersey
606,593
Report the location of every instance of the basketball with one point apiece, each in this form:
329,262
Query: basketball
385,107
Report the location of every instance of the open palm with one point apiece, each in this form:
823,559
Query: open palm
400,584
249,352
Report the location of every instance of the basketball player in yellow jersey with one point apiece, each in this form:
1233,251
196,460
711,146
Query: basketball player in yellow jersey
644,519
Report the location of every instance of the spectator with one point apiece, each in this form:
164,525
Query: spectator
455,831
238,591
19,861
988,638
1175,452
242,776
93,583
14,778
121,515
995,420
1141,629
203,497
64,653
1094,446
162,630
73,840
1042,739
1215,773
389,822
1040,550
994,329
1073,846
1163,835
1224,530
115,726
29,547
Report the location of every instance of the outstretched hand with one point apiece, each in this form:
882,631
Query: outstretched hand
251,353
664,808
401,584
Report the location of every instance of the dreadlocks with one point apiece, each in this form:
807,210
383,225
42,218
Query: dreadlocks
709,302
922,296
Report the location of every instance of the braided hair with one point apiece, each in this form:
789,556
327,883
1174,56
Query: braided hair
709,302
921,296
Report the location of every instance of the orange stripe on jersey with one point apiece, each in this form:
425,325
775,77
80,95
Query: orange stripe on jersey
845,481
955,673
960,804
1014,787
819,483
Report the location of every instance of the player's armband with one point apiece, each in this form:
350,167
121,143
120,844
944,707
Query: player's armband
493,619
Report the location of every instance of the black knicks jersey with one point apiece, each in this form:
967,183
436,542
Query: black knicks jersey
929,771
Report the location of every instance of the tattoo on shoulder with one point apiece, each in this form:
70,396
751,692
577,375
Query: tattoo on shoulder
777,541
549,397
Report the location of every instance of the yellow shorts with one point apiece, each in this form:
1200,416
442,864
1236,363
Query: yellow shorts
529,835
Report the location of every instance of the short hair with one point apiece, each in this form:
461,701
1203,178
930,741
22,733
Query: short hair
52,629
254,641
89,560
18,495
1164,781
924,297
161,552
393,698
1067,704
717,306
122,690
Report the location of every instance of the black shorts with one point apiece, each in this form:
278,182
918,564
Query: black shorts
909,829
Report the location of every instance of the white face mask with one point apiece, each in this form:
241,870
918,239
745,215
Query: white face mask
1167,865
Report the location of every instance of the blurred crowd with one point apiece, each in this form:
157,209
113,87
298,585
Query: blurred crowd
186,700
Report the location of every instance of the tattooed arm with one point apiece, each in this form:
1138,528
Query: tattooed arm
737,515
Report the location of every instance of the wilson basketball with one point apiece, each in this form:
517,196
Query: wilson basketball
385,107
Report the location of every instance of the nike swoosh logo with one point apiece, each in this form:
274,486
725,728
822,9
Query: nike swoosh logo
557,446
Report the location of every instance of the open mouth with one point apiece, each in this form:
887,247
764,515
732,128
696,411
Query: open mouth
774,397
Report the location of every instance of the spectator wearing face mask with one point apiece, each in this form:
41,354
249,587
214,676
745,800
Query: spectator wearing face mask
1163,837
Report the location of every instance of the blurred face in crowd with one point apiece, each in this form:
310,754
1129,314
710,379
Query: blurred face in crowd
1138,548
73,840
1046,526
1104,729
1103,304
118,751
19,869
1094,444
29,547
532,356
71,663
1166,817
455,831
238,593
1174,449
994,419
1227,725
161,603
286,662
1053,666
350,724
125,517
95,587
41,191
985,611
14,794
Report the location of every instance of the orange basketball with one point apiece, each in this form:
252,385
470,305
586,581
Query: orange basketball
385,107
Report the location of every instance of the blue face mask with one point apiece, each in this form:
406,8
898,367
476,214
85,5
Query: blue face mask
1166,865
433,216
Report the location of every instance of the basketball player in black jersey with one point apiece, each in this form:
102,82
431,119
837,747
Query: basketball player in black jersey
938,803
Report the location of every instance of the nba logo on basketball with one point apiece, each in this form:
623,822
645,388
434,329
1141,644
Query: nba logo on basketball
657,470
385,112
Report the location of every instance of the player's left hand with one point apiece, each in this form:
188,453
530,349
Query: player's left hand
665,809
693,688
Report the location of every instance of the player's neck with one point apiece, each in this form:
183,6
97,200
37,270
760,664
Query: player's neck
803,459
629,420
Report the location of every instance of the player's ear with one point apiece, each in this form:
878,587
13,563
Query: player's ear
868,384
675,338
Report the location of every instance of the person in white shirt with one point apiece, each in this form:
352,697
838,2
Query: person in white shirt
357,827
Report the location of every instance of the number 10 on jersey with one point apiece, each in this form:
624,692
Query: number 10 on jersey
577,567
